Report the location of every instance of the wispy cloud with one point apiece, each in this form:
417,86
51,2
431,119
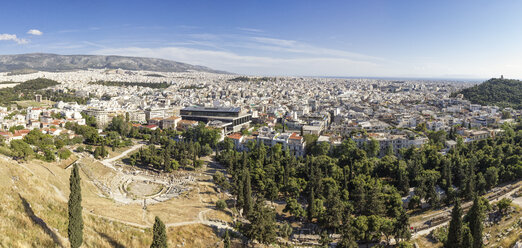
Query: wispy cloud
272,41
13,37
35,32
238,63
253,30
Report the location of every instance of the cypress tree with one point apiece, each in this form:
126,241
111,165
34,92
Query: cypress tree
475,217
467,238
75,228
247,191
455,228
311,199
103,151
159,238
226,240
240,201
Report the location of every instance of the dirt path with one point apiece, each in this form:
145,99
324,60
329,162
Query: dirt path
108,162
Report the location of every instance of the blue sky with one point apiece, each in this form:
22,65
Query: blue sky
442,39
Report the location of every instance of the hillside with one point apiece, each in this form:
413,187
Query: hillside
55,62
33,210
496,91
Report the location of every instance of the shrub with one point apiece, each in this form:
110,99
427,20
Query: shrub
221,205
64,153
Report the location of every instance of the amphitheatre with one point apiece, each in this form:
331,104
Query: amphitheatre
115,196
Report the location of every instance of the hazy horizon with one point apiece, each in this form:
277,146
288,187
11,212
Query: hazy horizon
400,39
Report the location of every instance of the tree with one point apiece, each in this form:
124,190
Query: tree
20,149
372,147
96,153
294,208
401,226
310,210
491,177
475,218
347,235
262,225
325,239
467,238
247,192
455,231
159,238
221,205
64,153
506,115
226,240
503,205
75,227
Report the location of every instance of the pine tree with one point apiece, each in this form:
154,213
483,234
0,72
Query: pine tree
159,238
247,191
75,228
347,234
474,218
455,227
401,226
226,240
262,225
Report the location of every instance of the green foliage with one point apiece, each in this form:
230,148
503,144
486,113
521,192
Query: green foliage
285,230
294,208
25,90
439,234
503,204
475,219
262,225
202,135
496,91
80,149
226,240
405,244
467,238
345,191
251,79
372,147
221,205
159,238
325,239
455,231
220,179
75,227
13,129
64,153
21,150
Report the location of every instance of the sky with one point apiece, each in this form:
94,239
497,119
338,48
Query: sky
366,38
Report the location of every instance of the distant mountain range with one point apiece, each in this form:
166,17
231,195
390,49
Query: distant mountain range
55,62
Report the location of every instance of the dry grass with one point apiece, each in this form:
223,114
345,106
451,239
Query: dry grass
193,236
45,186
